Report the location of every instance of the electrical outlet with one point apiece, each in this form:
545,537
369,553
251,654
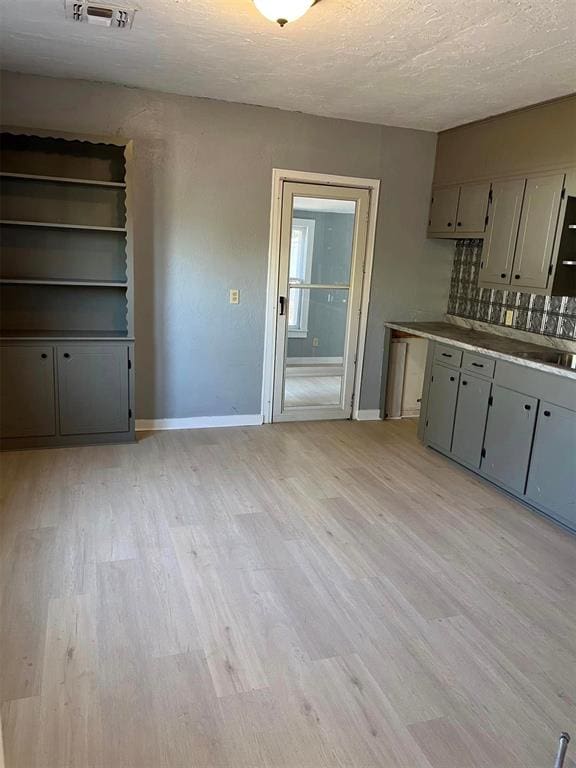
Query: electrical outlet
234,296
509,319
315,341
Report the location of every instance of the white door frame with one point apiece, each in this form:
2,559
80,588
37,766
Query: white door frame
279,176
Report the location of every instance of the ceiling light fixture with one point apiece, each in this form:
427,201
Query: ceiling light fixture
283,11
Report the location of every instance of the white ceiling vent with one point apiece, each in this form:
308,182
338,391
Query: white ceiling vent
102,15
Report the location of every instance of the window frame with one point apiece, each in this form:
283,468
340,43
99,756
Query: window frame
300,331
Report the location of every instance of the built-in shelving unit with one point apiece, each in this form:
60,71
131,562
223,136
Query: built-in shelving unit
66,284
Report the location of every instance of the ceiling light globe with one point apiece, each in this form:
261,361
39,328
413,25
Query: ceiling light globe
283,11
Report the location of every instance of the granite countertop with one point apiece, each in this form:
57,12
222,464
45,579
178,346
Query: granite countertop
501,347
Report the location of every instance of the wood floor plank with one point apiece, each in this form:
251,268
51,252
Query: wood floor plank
305,595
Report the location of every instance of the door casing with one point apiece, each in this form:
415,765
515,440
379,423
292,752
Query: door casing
279,176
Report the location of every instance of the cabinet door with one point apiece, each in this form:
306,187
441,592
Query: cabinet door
470,422
93,388
442,397
501,232
509,431
443,209
27,403
552,474
472,208
537,228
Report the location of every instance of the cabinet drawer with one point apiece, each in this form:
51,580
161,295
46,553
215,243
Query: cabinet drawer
478,364
447,355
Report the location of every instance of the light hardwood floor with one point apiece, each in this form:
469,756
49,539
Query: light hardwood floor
321,595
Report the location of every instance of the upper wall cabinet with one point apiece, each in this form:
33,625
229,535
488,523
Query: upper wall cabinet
501,232
459,211
443,211
537,229
522,245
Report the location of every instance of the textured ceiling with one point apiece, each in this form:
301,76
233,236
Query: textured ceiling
427,64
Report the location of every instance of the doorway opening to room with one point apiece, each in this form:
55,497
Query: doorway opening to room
320,264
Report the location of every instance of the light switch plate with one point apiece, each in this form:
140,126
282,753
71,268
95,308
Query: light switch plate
234,296
509,319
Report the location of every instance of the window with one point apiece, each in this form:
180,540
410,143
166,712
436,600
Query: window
301,250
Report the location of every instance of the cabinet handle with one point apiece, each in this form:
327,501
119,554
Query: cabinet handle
451,378
66,355
464,383
527,407
478,365
449,223
459,224
446,354
516,277
503,274
546,413
43,355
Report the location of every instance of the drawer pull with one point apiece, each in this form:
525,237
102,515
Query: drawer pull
546,413
446,354
478,365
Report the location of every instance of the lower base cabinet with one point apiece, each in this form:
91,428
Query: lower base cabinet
552,476
442,399
513,425
93,389
65,393
470,421
508,439
27,405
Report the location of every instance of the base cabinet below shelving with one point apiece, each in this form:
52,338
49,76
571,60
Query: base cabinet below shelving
66,393
27,403
93,392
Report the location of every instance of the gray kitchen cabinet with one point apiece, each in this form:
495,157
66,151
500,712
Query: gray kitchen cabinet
508,440
538,222
472,208
470,421
443,210
93,388
501,232
442,397
27,403
552,475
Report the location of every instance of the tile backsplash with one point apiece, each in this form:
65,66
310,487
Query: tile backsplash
547,315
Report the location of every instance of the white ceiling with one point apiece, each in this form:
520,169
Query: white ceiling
428,64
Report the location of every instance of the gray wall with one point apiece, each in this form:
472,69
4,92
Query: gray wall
202,201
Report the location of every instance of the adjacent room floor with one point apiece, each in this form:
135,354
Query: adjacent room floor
321,595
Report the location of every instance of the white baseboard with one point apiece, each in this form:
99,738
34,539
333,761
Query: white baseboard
368,415
200,422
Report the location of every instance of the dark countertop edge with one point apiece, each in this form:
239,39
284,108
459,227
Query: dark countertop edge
435,336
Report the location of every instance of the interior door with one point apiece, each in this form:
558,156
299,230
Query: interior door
322,252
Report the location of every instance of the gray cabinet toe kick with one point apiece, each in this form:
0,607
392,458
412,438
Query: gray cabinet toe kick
515,426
